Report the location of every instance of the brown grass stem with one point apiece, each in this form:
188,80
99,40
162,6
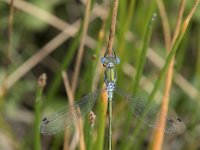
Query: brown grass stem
10,29
179,21
71,101
81,47
112,28
188,18
165,23
79,124
159,135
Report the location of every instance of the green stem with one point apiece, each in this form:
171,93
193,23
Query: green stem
89,137
37,118
143,53
102,110
110,123
140,69
40,86
126,18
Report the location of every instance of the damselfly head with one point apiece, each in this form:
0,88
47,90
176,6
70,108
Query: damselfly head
109,61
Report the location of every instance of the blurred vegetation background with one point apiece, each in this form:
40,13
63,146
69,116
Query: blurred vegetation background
39,36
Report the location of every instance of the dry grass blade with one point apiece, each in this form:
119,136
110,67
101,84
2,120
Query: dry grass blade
165,24
79,124
10,30
112,28
158,134
81,47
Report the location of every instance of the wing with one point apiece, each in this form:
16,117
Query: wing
66,116
150,113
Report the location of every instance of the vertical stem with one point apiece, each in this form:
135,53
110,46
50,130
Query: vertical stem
40,86
158,135
102,111
144,49
110,123
37,138
81,47
79,124
10,29
112,28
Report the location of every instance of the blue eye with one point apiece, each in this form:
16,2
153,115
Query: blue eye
103,60
117,60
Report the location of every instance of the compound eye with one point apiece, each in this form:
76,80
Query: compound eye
103,60
117,60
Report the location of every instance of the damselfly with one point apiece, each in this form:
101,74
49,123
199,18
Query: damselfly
147,112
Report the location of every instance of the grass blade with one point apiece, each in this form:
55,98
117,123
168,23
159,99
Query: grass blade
41,84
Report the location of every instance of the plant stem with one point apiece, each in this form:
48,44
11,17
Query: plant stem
10,30
102,110
81,47
140,68
40,87
158,135
109,52
110,123
144,49
79,124
112,28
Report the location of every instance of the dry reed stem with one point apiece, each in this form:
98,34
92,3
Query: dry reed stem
179,21
10,30
112,28
165,23
81,47
79,124
188,18
159,134
158,137
70,98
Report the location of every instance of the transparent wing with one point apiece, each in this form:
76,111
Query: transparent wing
66,116
150,113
